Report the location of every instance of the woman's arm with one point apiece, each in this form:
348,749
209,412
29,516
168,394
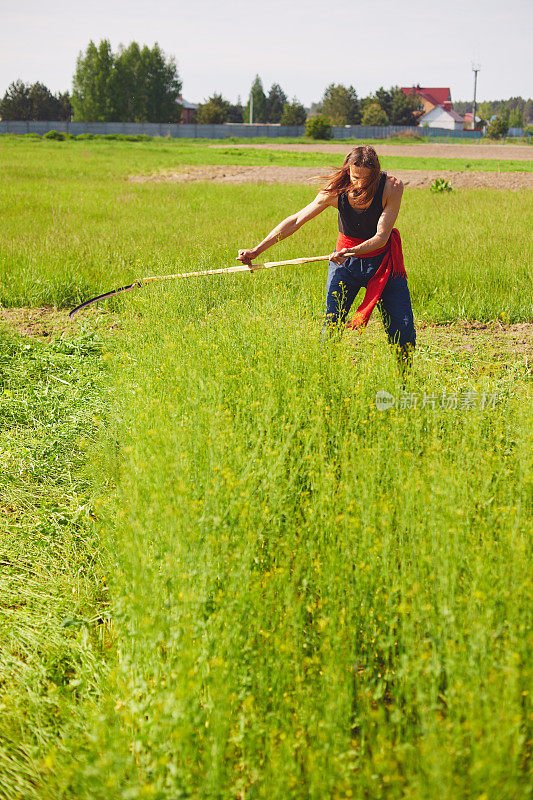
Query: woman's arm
288,226
384,226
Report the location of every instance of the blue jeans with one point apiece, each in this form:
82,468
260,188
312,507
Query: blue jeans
345,281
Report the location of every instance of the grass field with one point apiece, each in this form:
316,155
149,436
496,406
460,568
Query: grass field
164,153
232,575
73,227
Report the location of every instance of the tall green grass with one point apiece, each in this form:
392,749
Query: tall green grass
311,597
314,598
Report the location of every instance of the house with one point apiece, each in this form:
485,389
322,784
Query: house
437,105
440,117
468,122
188,113
430,97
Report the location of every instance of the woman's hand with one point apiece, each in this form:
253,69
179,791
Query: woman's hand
338,256
247,256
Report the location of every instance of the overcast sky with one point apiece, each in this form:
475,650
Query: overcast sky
220,45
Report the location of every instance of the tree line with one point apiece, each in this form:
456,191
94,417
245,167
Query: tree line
141,84
515,112
340,104
34,102
135,84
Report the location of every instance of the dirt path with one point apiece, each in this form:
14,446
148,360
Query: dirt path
413,178
491,339
501,152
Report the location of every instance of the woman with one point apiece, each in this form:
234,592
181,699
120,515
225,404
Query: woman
368,251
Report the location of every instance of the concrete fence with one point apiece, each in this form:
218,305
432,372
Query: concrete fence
225,131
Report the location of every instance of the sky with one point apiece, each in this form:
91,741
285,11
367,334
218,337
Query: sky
220,45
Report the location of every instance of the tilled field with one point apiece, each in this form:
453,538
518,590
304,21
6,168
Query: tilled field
419,179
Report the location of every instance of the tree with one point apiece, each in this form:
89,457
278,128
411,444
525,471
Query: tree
65,104
91,100
236,112
161,86
134,85
16,102
259,109
43,103
125,90
404,109
35,102
384,99
275,103
374,115
399,108
516,119
484,110
341,105
214,111
293,113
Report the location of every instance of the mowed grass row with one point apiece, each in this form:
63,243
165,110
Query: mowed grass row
314,598
52,570
73,226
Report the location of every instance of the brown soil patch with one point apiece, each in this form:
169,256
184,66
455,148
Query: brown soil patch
45,321
414,178
492,339
499,152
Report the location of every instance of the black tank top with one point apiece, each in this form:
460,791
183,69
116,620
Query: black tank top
361,224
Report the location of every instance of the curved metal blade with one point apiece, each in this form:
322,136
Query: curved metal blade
86,303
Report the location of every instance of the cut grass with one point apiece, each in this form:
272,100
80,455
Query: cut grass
52,578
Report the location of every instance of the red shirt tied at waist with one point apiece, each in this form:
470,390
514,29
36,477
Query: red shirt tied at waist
392,262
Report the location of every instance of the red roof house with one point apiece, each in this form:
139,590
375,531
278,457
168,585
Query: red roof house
430,97
437,105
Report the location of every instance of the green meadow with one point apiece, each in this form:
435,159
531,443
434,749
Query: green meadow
226,572
73,226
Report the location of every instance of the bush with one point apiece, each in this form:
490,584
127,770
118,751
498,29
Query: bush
497,128
440,185
110,137
56,135
318,128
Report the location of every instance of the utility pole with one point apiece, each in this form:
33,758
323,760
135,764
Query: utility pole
475,70
251,107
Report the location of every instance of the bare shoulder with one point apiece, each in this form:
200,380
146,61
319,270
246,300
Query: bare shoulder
326,199
393,190
393,186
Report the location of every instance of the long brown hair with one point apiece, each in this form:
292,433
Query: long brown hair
339,181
